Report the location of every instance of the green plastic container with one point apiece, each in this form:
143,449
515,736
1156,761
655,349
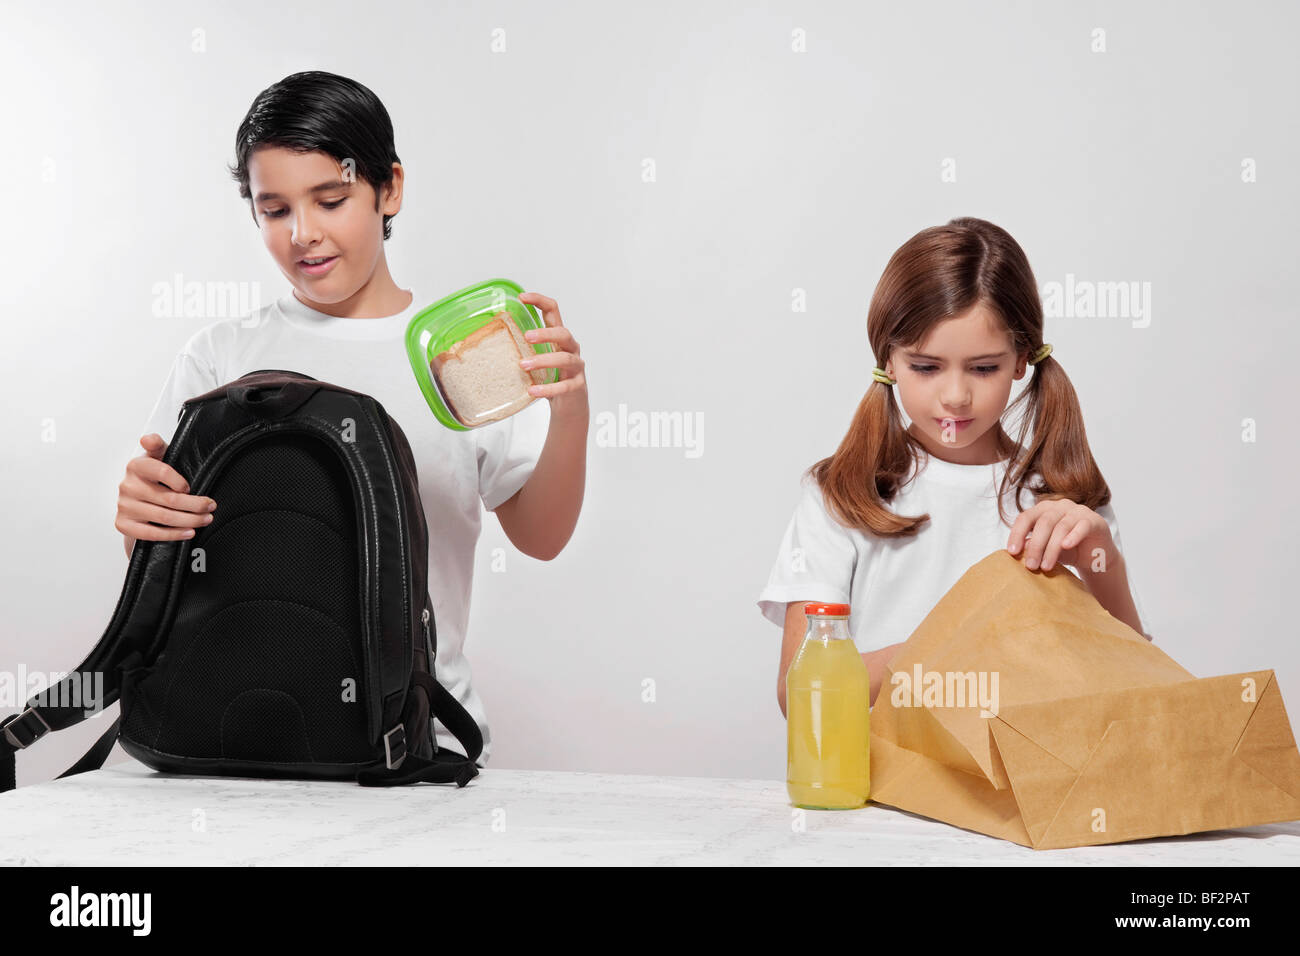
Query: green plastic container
466,358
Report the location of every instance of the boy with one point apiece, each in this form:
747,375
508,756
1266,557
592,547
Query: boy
316,160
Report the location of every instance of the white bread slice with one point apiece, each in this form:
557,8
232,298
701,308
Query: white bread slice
480,375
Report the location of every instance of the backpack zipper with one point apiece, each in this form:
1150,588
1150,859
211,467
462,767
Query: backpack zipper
428,649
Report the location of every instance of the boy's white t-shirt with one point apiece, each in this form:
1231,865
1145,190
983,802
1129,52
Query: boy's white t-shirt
459,472
891,584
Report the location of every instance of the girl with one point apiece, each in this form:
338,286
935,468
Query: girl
889,522
316,162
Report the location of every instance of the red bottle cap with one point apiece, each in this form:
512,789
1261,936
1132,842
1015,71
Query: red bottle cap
826,610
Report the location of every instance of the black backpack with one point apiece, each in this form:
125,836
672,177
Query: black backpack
293,636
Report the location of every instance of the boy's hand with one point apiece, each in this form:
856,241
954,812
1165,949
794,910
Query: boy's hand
154,494
1061,530
570,392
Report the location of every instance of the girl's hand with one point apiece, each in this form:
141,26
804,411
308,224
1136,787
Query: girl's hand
569,394
1061,530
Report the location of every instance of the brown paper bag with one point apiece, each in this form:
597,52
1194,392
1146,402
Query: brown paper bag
1022,709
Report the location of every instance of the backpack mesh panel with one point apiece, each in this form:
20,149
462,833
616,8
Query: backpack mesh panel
266,634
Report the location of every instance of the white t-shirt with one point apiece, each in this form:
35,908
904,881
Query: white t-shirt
891,584
460,472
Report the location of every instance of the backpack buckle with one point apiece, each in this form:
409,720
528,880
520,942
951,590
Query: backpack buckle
395,747
27,731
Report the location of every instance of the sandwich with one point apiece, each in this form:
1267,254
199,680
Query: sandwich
480,377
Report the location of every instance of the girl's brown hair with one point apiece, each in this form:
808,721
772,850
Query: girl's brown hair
939,273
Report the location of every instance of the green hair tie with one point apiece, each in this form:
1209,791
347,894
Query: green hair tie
1041,354
881,376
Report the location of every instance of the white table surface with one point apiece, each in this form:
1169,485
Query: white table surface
129,814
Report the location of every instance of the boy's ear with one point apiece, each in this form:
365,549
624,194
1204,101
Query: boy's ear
392,199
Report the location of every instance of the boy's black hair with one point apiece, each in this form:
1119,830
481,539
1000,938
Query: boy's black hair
322,111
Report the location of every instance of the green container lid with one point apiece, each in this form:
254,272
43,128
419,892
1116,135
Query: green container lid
466,357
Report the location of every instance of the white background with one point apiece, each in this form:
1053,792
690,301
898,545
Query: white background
776,171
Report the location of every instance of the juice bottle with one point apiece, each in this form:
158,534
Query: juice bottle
827,693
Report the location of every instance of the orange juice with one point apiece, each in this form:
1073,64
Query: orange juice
828,716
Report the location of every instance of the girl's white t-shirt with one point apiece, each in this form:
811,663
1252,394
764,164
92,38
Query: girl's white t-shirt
891,584
461,473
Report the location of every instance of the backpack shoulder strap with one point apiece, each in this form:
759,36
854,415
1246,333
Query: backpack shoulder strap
446,766
21,730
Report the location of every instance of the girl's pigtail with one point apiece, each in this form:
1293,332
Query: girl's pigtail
875,445
1059,451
